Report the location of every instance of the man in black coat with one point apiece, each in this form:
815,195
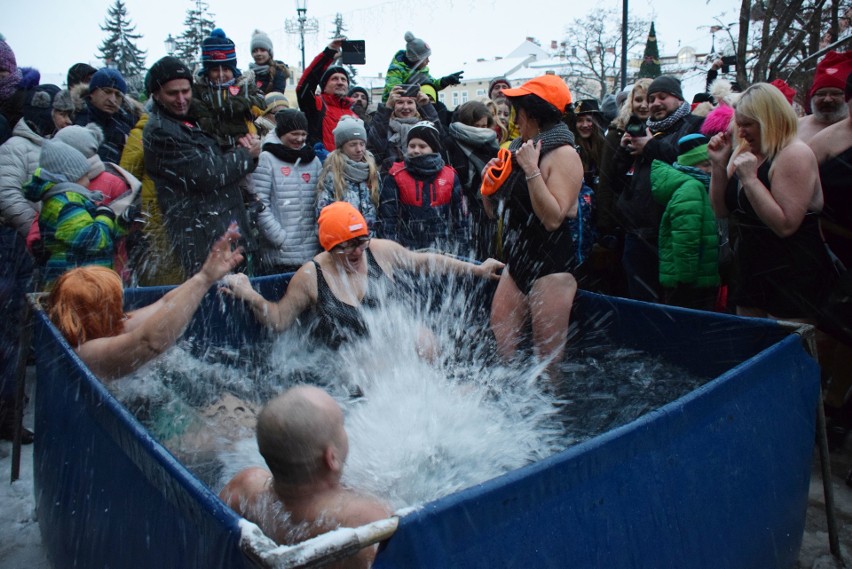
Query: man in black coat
198,184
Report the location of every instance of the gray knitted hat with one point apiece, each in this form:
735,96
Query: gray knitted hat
349,128
416,50
64,102
62,160
666,84
85,139
260,40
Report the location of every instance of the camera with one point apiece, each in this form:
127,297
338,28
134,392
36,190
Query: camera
635,127
353,53
729,61
409,90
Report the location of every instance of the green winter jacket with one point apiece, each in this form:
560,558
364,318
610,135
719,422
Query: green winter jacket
689,242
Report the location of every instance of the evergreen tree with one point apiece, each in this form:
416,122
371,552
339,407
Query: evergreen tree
651,60
197,26
339,32
119,49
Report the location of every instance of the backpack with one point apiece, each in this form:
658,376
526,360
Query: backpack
582,227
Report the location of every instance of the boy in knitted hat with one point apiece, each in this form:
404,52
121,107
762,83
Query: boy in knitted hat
270,75
411,66
74,229
688,236
228,100
422,204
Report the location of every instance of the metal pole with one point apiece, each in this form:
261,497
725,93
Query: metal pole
623,44
302,19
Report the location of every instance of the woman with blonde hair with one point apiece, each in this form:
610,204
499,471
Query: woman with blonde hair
87,306
350,173
768,182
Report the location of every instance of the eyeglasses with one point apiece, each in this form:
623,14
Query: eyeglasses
833,93
350,246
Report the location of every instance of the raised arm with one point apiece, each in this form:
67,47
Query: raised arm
431,263
719,151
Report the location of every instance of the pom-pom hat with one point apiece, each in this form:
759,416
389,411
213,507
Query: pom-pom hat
340,222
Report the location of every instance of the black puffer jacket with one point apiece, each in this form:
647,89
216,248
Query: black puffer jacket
198,185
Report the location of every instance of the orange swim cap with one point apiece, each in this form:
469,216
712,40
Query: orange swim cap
339,222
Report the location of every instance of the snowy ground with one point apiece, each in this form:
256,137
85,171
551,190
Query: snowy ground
20,540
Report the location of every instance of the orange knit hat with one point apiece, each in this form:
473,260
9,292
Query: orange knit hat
549,87
339,222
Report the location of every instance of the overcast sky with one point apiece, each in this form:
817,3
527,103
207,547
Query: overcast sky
51,35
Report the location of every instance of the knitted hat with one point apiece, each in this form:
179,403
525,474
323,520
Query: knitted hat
429,91
832,71
275,102
62,160
288,120
107,78
496,81
164,70
425,131
217,50
349,128
788,92
38,109
7,57
79,73
63,101
260,40
549,87
609,107
692,149
416,50
331,71
718,120
666,84
85,139
339,222
360,90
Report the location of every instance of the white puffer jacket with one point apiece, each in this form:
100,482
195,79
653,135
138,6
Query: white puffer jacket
289,192
18,161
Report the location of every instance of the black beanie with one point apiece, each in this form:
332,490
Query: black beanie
79,73
666,84
425,131
288,120
331,71
163,71
360,90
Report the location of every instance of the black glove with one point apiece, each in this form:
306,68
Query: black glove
105,211
132,215
451,79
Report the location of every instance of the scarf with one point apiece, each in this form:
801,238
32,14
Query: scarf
551,139
668,122
259,70
425,165
290,155
473,137
696,173
400,128
355,171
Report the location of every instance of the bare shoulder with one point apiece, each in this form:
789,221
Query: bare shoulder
795,155
358,508
832,140
246,485
389,254
562,155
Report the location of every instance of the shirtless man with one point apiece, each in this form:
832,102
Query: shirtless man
826,95
301,436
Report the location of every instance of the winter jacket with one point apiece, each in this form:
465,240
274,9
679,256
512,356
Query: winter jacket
688,241
423,207
18,160
323,110
641,214
116,128
153,260
379,134
73,231
357,194
272,78
289,192
197,185
400,72
228,113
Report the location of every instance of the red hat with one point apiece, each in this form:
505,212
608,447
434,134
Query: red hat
788,92
549,87
832,71
339,222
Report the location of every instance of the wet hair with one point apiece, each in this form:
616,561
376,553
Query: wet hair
626,110
766,105
293,431
472,112
335,165
87,303
537,109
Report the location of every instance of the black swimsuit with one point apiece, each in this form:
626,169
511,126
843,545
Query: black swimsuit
337,322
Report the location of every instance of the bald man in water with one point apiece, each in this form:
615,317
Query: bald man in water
301,436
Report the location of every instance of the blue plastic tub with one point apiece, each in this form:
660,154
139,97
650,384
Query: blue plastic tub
718,478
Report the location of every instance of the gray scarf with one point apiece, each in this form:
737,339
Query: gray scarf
473,137
355,171
400,128
671,120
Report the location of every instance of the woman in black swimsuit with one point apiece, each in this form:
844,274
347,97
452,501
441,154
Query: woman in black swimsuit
349,275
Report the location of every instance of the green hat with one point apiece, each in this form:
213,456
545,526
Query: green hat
692,149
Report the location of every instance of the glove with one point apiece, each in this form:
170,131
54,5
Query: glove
451,79
132,215
105,211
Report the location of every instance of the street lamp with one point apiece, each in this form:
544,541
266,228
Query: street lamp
171,45
302,25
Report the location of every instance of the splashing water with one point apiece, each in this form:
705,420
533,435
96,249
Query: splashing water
417,430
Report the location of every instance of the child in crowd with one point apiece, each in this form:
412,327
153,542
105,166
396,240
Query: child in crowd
227,101
74,229
285,181
422,205
689,242
350,173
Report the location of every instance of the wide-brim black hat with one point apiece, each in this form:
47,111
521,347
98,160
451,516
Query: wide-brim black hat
590,107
